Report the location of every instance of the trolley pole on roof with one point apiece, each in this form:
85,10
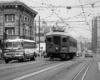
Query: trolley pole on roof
39,34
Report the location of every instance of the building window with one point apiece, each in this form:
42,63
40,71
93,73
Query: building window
10,30
9,17
25,31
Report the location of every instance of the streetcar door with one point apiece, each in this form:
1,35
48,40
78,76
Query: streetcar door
49,44
57,42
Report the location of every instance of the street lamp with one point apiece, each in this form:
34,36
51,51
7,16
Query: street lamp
4,34
35,28
39,34
19,25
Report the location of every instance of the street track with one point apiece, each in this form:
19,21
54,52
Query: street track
20,68
35,69
79,75
87,66
24,64
68,67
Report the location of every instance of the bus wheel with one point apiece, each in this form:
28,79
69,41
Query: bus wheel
22,59
32,58
6,61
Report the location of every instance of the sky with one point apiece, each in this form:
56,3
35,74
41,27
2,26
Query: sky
77,20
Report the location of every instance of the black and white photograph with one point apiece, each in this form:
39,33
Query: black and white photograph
49,39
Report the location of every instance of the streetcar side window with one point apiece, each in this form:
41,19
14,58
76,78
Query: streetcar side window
30,45
73,44
70,43
49,39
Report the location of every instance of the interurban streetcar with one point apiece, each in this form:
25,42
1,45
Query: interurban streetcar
60,45
20,49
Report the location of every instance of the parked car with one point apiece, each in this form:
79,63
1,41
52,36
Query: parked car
0,53
79,54
88,54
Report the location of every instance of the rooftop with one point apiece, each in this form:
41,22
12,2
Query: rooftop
2,3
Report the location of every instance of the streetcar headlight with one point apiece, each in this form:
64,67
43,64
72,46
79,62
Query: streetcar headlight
56,48
50,45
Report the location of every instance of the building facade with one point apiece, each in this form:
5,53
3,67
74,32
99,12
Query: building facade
16,20
44,28
43,31
96,34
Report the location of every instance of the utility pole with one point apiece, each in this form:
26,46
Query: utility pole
39,34
19,25
3,33
35,30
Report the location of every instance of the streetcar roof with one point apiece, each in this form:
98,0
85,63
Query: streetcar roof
19,40
58,33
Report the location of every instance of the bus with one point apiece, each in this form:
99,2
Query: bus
20,49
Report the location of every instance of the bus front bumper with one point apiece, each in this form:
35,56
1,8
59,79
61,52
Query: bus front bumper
16,57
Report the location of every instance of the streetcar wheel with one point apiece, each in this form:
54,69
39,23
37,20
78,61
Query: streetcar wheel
63,57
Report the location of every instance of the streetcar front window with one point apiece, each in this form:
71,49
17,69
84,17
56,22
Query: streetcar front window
56,39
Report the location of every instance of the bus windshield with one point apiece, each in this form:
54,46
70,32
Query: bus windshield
8,44
13,45
17,44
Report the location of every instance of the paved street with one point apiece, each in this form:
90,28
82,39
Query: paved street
80,68
66,31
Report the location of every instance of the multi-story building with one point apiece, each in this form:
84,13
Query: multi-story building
43,31
96,34
16,20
